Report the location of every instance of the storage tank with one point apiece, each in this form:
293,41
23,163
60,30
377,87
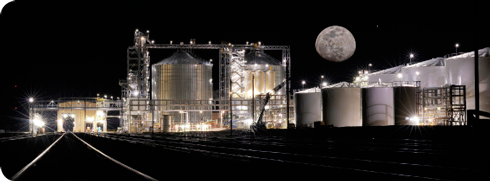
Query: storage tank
270,80
166,122
341,106
307,108
377,106
259,82
405,105
183,78
271,68
248,83
460,71
385,76
430,73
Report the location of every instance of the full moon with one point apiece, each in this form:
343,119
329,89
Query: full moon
335,43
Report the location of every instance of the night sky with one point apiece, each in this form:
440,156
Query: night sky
79,49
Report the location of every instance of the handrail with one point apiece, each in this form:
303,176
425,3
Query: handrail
16,176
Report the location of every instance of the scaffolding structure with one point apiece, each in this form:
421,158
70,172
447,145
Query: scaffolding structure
135,90
445,105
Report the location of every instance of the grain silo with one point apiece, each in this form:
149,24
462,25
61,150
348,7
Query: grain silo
268,73
184,79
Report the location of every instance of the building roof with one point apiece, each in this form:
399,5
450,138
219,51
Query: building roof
182,57
260,57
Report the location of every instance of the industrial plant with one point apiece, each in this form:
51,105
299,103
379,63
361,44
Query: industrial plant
175,94
438,91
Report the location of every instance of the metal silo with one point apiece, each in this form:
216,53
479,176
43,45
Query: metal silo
259,82
183,78
341,106
268,71
307,108
377,106
270,80
405,105
460,71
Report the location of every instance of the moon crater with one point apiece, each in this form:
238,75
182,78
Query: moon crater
335,43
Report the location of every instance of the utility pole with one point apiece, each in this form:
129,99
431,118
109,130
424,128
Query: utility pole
231,111
477,86
152,106
287,93
253,98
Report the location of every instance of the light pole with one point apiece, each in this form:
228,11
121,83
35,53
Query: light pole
321,80
303,83
369,67
411,56
456,46
31,122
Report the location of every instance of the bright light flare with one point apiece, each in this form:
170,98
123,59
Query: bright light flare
90,119
400,75
38,122
415,120
31,100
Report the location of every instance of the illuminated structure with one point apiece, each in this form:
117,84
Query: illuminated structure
142,111
79,114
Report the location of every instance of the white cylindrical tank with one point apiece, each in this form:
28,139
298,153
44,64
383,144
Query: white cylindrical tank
405,105
307,108
270,77
341,106
460,71
377,106
429,76
383,78
259,82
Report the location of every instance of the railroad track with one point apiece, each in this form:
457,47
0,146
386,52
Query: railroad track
85,157
299,154
71,158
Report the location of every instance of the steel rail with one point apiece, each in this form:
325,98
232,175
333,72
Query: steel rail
252,154
16,176
114,160
186,149
252,150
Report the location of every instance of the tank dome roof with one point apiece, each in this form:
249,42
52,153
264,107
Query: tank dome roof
182,57
260,57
